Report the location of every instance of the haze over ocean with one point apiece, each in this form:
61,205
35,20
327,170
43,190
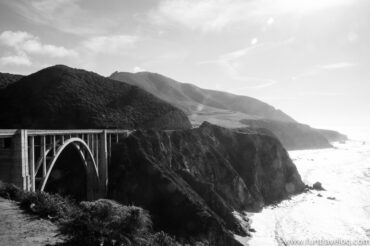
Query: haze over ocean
310,217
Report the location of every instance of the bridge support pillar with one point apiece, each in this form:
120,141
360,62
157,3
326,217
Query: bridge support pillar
103,164
20,172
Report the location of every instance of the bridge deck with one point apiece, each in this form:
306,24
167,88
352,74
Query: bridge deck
4,133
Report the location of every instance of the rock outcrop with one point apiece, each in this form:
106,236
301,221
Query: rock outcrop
61,97
192,180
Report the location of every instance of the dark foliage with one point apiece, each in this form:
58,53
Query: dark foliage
7,79
102,222
62,97
45,205
11,192
50,206
105,221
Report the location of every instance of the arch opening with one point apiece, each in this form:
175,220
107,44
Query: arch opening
69,176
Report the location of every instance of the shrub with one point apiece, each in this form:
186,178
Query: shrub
10,191
102,222
106,222
51,206
161,239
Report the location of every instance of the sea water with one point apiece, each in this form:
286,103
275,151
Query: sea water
338,216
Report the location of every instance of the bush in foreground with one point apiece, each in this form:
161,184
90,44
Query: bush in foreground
106,222
45,205
102,222
50,206
11,192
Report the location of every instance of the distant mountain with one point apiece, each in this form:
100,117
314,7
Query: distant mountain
200,103
229,110
292,135
63,97
7,79
332,136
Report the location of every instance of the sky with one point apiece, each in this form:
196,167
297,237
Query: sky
309,58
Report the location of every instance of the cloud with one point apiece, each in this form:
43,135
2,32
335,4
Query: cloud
259,83
138,69
20,60
338,65
64,15
110,44
254,41
23,45
215,15
233,65
270,21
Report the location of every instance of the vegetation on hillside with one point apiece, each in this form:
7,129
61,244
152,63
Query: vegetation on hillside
7,79
101,222
196,101
64,98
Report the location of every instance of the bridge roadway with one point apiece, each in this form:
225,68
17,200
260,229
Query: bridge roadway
27,157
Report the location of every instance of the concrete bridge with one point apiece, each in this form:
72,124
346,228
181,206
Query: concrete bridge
32,159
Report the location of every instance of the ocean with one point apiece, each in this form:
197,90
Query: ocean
338,216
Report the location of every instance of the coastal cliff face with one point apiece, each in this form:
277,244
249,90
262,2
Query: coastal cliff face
192,180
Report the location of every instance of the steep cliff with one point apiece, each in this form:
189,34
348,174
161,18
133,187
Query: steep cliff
192,180
63,97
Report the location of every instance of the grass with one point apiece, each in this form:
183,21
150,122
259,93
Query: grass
102,222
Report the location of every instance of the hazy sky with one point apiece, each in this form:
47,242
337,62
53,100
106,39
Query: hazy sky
310,58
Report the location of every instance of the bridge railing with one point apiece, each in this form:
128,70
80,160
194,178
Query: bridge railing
6,133
35,132
74,131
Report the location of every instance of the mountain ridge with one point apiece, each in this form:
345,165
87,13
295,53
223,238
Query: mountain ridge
63,97
163,86
230,110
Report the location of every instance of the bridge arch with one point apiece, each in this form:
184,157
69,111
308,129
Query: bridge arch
85,154
32,155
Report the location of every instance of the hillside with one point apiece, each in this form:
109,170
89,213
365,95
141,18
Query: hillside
62,97
292,135
332,136
229,110
7,79
192,181
197,102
